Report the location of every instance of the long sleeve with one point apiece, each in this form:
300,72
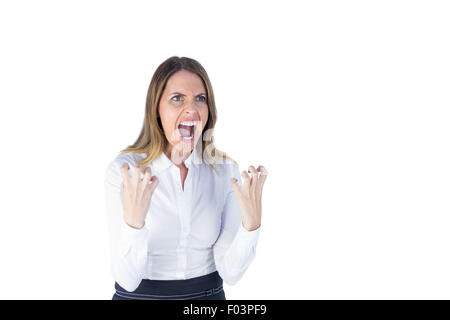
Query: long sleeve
128,246
235,247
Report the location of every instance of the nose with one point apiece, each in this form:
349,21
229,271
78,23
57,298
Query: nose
190,108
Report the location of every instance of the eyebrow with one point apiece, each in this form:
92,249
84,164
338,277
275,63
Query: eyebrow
201,93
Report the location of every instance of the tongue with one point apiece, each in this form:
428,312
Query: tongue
185,131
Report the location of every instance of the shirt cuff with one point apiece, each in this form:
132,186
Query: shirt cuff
248,238
132,238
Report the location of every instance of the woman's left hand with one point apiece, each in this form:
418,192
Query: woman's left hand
249,195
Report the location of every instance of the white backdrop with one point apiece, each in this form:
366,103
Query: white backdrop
346,103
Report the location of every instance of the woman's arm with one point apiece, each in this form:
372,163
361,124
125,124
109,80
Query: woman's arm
235,247
128,245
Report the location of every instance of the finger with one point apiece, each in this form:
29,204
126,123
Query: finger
254,179
246,178
136,175
122,188
151,186
234,185
263,174
124,173
147,177
123,192
124,170
262,170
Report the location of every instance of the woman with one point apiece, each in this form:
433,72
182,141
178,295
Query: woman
180,220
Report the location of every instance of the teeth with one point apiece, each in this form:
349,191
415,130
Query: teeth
189,123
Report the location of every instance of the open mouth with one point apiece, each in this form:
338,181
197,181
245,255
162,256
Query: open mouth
187,129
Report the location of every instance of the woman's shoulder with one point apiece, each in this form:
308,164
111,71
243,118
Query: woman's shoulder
227,168
129,157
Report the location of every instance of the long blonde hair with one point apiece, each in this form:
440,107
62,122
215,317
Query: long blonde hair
152,139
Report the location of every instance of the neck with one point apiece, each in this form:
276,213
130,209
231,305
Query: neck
177,156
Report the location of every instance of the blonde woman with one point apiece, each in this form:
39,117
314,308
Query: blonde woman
180,219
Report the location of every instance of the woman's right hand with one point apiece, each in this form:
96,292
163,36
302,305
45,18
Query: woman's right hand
136,194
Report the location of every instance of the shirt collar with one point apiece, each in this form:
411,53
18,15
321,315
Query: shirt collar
194,159
162,162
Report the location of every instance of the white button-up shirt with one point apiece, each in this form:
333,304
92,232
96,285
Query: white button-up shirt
187,233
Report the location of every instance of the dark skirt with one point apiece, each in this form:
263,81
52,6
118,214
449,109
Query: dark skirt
207,287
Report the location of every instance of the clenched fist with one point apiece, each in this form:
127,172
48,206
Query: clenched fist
136,194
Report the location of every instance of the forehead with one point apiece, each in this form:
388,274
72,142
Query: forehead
186,82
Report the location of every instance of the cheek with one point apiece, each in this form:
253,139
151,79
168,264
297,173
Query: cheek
167,118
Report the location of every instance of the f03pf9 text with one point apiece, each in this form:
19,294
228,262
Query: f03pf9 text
246,309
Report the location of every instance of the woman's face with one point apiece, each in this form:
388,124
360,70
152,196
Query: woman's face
183,109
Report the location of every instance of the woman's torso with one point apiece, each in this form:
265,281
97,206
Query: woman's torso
184,218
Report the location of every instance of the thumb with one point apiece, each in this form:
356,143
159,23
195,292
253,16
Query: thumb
234,184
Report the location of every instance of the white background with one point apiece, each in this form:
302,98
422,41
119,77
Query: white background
346,103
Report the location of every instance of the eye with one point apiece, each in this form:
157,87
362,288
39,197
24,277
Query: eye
177,96
202,98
